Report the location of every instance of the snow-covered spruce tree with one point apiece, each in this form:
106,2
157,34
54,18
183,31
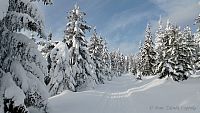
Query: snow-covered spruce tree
197,41
117,63
80,60
139,62
164,66
106,62
60,73
126,64
197,34
45,46
182,51
122,63
114,63
96,49
176,53
148,54
188,51
132,65
22,67
159,37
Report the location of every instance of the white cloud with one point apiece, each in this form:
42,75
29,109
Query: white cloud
124,19
179,12
182,12
117,29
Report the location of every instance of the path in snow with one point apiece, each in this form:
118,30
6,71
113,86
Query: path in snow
126,95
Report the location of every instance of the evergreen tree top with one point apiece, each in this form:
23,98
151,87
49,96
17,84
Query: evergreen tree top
148,35
197,21
140,48
159,34
148,29
76,28
105,45
188,30
160,24
75,14
169,26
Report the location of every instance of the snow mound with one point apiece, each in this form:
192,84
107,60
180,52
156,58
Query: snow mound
128,95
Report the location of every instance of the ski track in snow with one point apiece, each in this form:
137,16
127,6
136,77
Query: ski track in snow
125,95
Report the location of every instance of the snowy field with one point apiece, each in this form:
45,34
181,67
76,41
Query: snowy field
126,95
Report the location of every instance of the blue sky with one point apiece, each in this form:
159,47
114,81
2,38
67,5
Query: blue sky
121,22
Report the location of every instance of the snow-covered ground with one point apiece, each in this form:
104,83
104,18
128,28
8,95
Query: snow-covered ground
126,95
